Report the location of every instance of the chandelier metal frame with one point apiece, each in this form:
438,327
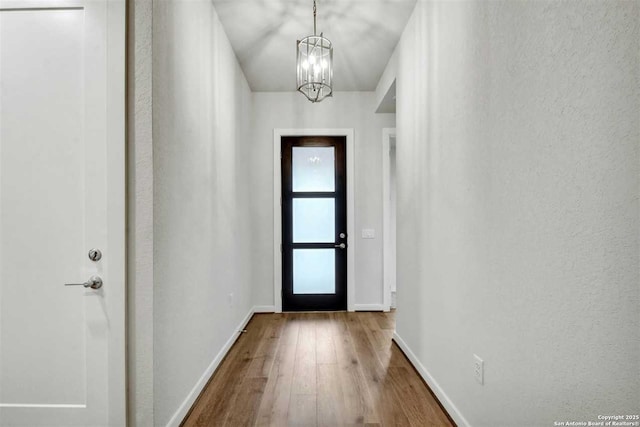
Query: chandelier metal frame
314,65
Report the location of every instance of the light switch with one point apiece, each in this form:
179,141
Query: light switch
368,233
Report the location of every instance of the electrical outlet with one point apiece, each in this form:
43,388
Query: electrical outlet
478,369
230,299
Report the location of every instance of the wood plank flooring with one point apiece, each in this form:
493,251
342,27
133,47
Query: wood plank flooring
317,369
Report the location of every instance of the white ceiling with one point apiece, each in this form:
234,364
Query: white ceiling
263,34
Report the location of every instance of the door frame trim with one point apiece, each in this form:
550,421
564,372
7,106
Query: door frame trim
116,201
387,133
277,209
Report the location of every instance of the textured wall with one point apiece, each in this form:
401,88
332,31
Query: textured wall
201,121
518,216
345,110
140,215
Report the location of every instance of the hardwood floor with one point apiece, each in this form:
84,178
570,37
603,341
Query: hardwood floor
317,369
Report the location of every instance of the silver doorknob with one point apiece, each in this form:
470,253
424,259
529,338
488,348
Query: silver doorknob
94,282
341,246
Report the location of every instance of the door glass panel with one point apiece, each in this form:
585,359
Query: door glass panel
314,271
314,220
313,169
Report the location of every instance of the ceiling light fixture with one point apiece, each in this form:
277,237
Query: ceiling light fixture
314,65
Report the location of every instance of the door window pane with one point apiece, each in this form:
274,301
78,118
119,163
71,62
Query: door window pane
314,271
314,220
313,169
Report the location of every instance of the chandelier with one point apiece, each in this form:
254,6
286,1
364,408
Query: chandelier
314,65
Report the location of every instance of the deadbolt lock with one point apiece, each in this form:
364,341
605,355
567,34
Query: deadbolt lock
95,254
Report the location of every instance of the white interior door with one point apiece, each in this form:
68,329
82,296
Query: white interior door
62,352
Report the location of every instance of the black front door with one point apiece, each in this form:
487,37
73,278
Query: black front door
314,223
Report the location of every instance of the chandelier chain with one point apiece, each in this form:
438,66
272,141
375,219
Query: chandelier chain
314,17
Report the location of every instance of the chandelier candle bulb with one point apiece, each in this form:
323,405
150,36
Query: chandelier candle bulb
314,65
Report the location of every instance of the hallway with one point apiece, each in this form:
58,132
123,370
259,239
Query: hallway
188,236
324,369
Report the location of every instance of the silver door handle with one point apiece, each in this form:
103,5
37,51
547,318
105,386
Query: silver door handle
341,246
94,282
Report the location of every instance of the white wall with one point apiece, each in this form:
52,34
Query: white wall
345,110
387,78
518,216
139,215
202,250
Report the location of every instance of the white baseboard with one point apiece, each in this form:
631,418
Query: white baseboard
454,413
264,309
188,402
370,307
